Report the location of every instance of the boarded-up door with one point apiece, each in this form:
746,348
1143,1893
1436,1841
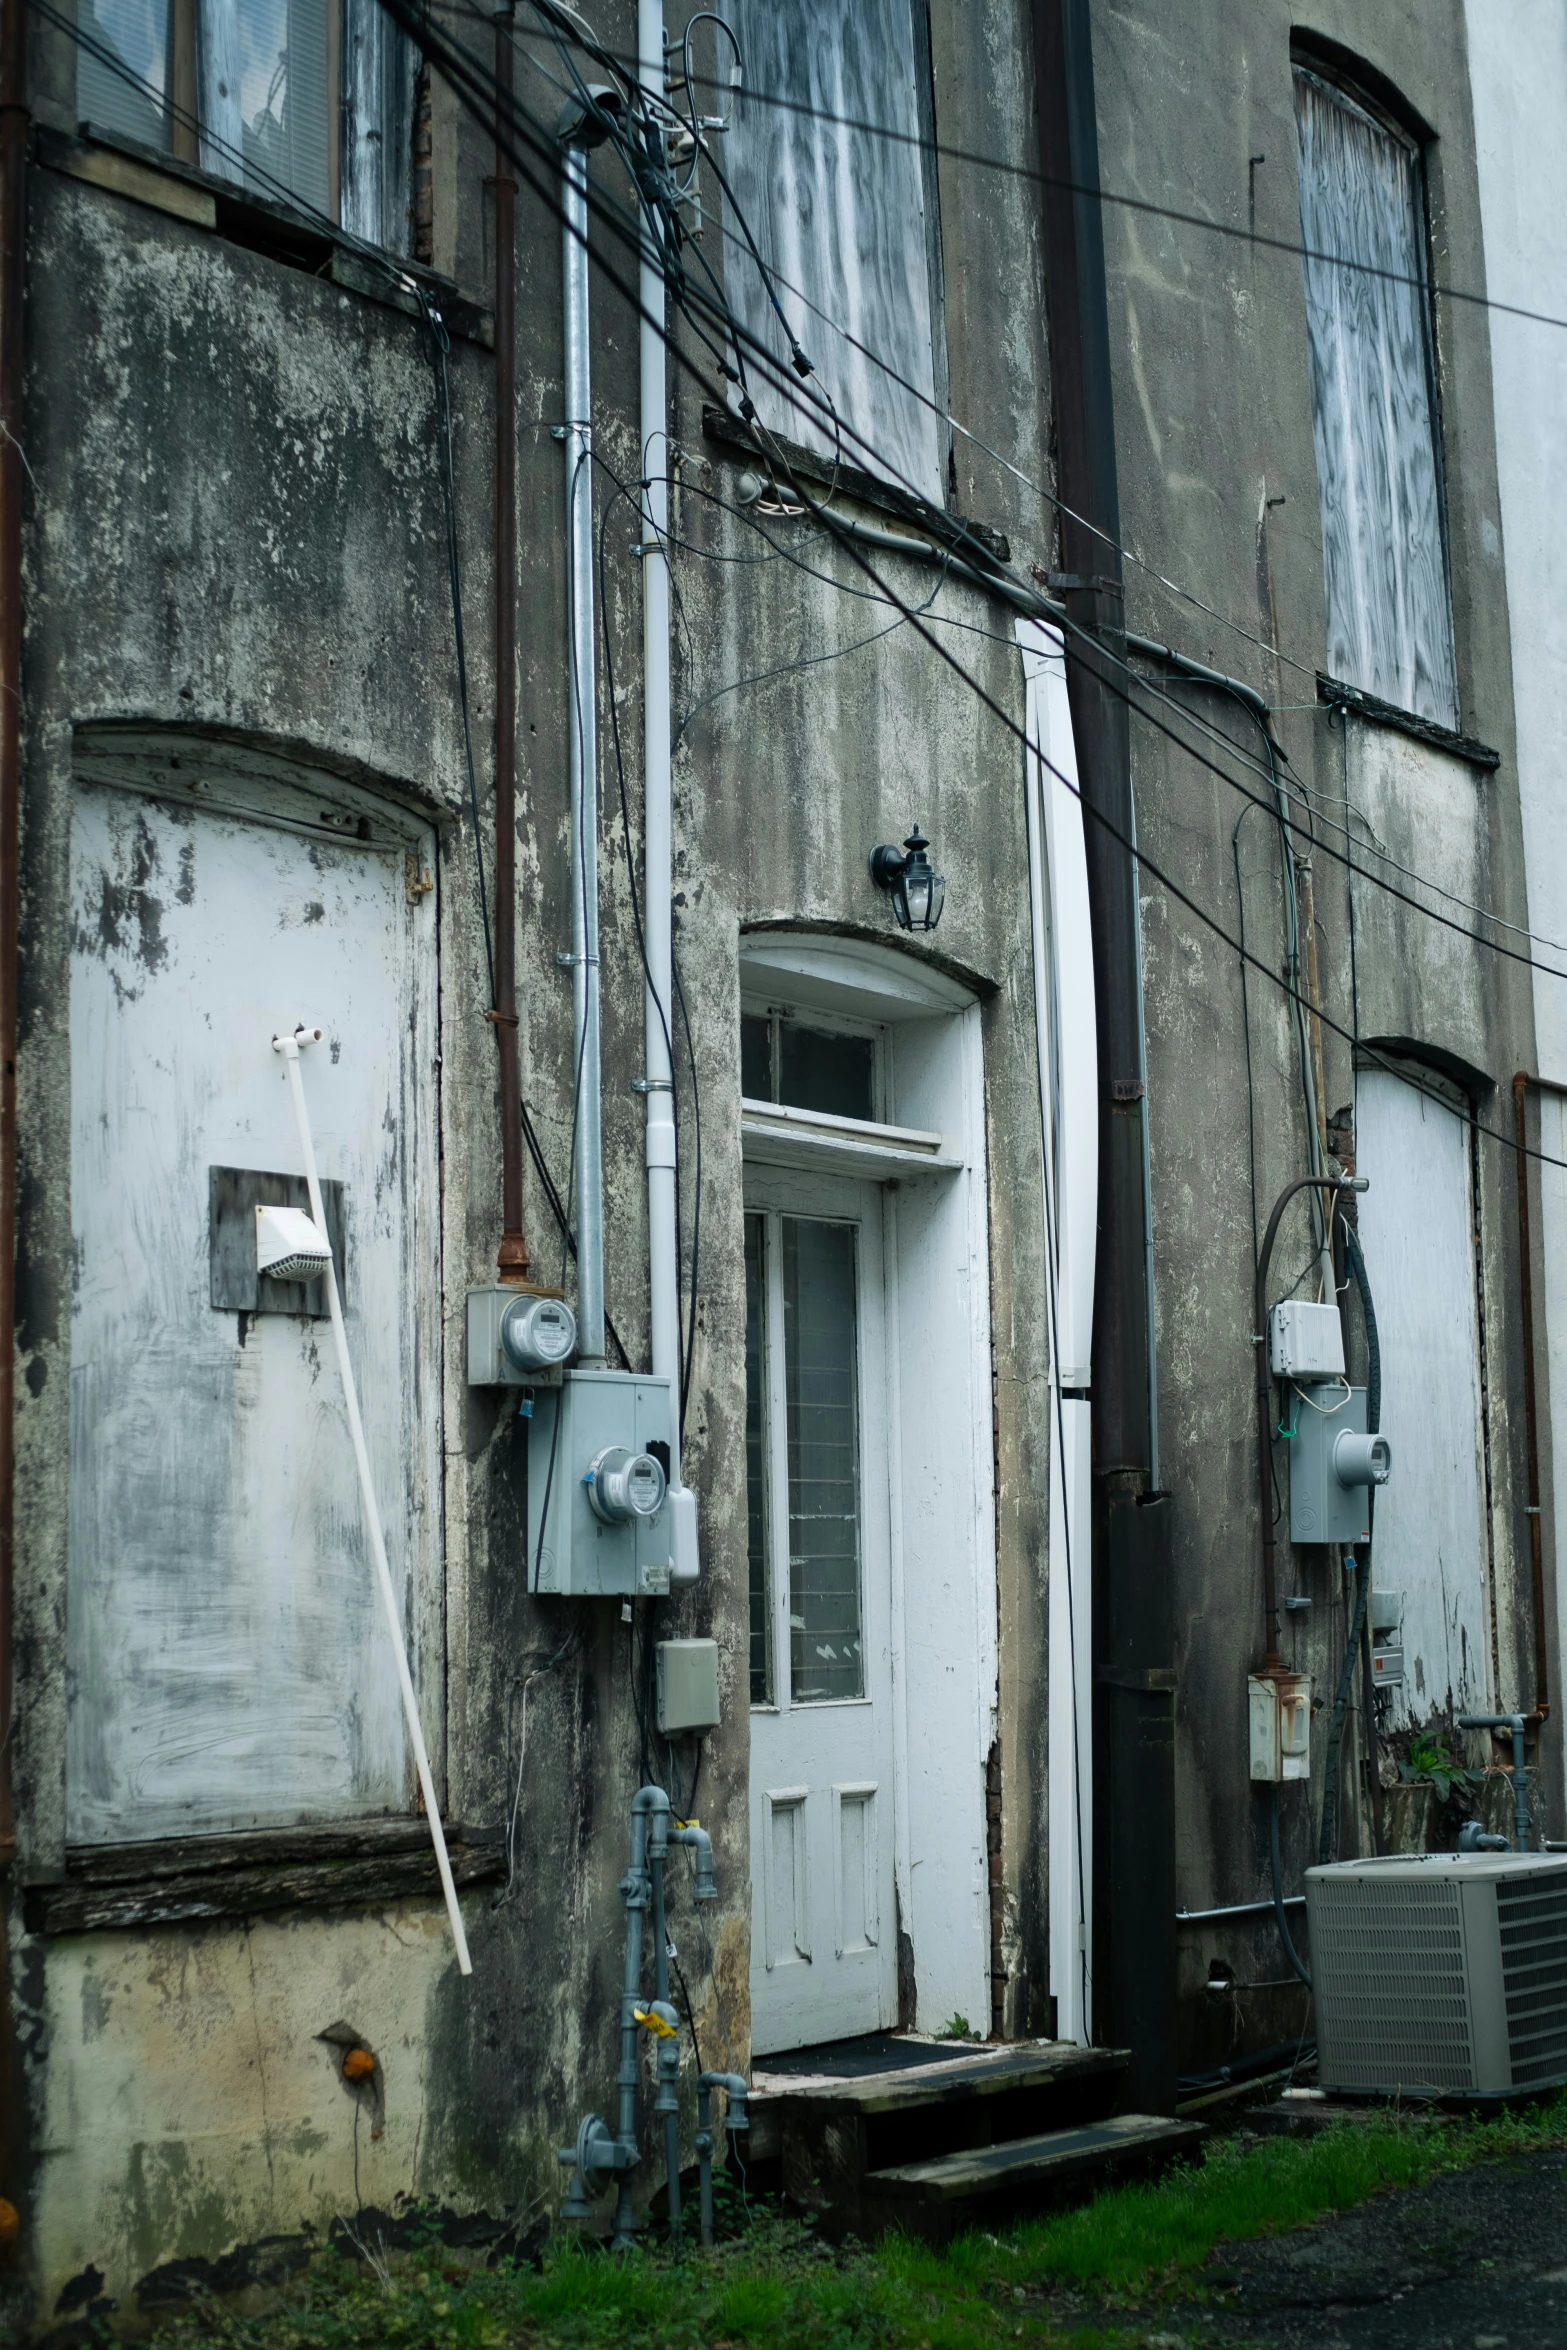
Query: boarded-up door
1417,1229
229,1666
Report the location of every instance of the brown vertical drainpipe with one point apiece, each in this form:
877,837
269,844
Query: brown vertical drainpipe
1521,1084
13,255
513,1257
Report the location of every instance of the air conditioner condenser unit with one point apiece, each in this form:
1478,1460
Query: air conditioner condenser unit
1439,1976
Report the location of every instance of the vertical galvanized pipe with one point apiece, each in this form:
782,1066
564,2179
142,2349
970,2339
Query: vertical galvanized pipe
583,719
663,1226
13,256
657,843
512,1261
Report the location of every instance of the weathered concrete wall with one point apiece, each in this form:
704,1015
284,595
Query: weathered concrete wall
1219,493
1518,70
238,529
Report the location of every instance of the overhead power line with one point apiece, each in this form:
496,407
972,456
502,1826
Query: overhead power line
521,135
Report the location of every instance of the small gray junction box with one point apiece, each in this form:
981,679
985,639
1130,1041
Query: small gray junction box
593,1443
687,1685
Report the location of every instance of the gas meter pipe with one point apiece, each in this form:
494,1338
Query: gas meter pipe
1273,1662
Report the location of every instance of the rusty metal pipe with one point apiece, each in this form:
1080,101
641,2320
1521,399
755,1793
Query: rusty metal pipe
13,259
513,1258
1521,1084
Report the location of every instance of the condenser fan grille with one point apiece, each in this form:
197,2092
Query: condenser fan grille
1392,1997
1533,1932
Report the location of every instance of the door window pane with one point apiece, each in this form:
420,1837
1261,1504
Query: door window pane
818,1070
756,1460
821,1382
1373,417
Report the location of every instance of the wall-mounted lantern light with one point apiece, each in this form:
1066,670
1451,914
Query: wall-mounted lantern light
916,889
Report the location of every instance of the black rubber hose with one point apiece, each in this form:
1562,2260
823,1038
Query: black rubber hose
1290,1951
1327,1840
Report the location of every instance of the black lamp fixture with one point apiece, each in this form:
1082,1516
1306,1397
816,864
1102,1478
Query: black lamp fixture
916,889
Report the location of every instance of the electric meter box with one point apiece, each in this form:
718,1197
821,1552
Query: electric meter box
517,1337
1278,1709
1333,1465
598,1459
1305,1341
687,1685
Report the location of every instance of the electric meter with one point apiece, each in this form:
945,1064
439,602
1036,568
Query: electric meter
624,1485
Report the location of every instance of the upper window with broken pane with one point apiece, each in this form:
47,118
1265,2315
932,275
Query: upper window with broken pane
827,157
301,102
1373,406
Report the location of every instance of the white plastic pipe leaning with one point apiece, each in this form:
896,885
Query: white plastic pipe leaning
658,834
289,1047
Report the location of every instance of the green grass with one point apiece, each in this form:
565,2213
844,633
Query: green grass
774,2286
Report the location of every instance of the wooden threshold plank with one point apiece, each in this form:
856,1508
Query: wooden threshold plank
944,2081
1023,2161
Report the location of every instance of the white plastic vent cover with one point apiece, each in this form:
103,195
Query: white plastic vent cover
290,1245
1438,1975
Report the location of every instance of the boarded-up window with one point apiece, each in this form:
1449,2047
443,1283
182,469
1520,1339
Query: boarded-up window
229,1663
845,218
1372,406
1417,1229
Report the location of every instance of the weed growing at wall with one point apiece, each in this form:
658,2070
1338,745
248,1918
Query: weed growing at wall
1071,2279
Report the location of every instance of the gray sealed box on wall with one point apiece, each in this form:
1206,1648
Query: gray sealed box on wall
1333,1464
687,1685
598,1456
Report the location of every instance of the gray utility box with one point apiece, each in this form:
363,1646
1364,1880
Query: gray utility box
595,1417
1434,1975
687,1685
1324,1506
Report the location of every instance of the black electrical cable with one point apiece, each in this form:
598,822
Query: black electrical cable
952,532
440,344
1290,1952
636,905
1328,1839
461,70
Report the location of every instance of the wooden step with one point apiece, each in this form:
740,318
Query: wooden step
832,2134
934,2199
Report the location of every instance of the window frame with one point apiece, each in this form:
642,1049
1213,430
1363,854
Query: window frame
1358,86
184,129
823,1023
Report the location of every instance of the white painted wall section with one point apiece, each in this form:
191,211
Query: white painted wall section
1067,1047
1518,78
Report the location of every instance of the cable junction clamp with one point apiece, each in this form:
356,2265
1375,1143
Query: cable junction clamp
652,1085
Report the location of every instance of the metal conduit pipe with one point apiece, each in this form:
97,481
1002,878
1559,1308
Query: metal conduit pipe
1522,1082
579,131
663,1231
512,1259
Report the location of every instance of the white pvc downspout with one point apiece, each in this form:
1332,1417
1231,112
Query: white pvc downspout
658,839
1065,1041
289,1047
583,722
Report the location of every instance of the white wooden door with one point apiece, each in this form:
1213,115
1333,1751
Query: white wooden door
1417,1230
229,1663
823,1924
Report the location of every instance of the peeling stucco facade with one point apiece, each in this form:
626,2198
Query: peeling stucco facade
237,538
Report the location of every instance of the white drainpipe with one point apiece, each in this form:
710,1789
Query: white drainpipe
658,845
